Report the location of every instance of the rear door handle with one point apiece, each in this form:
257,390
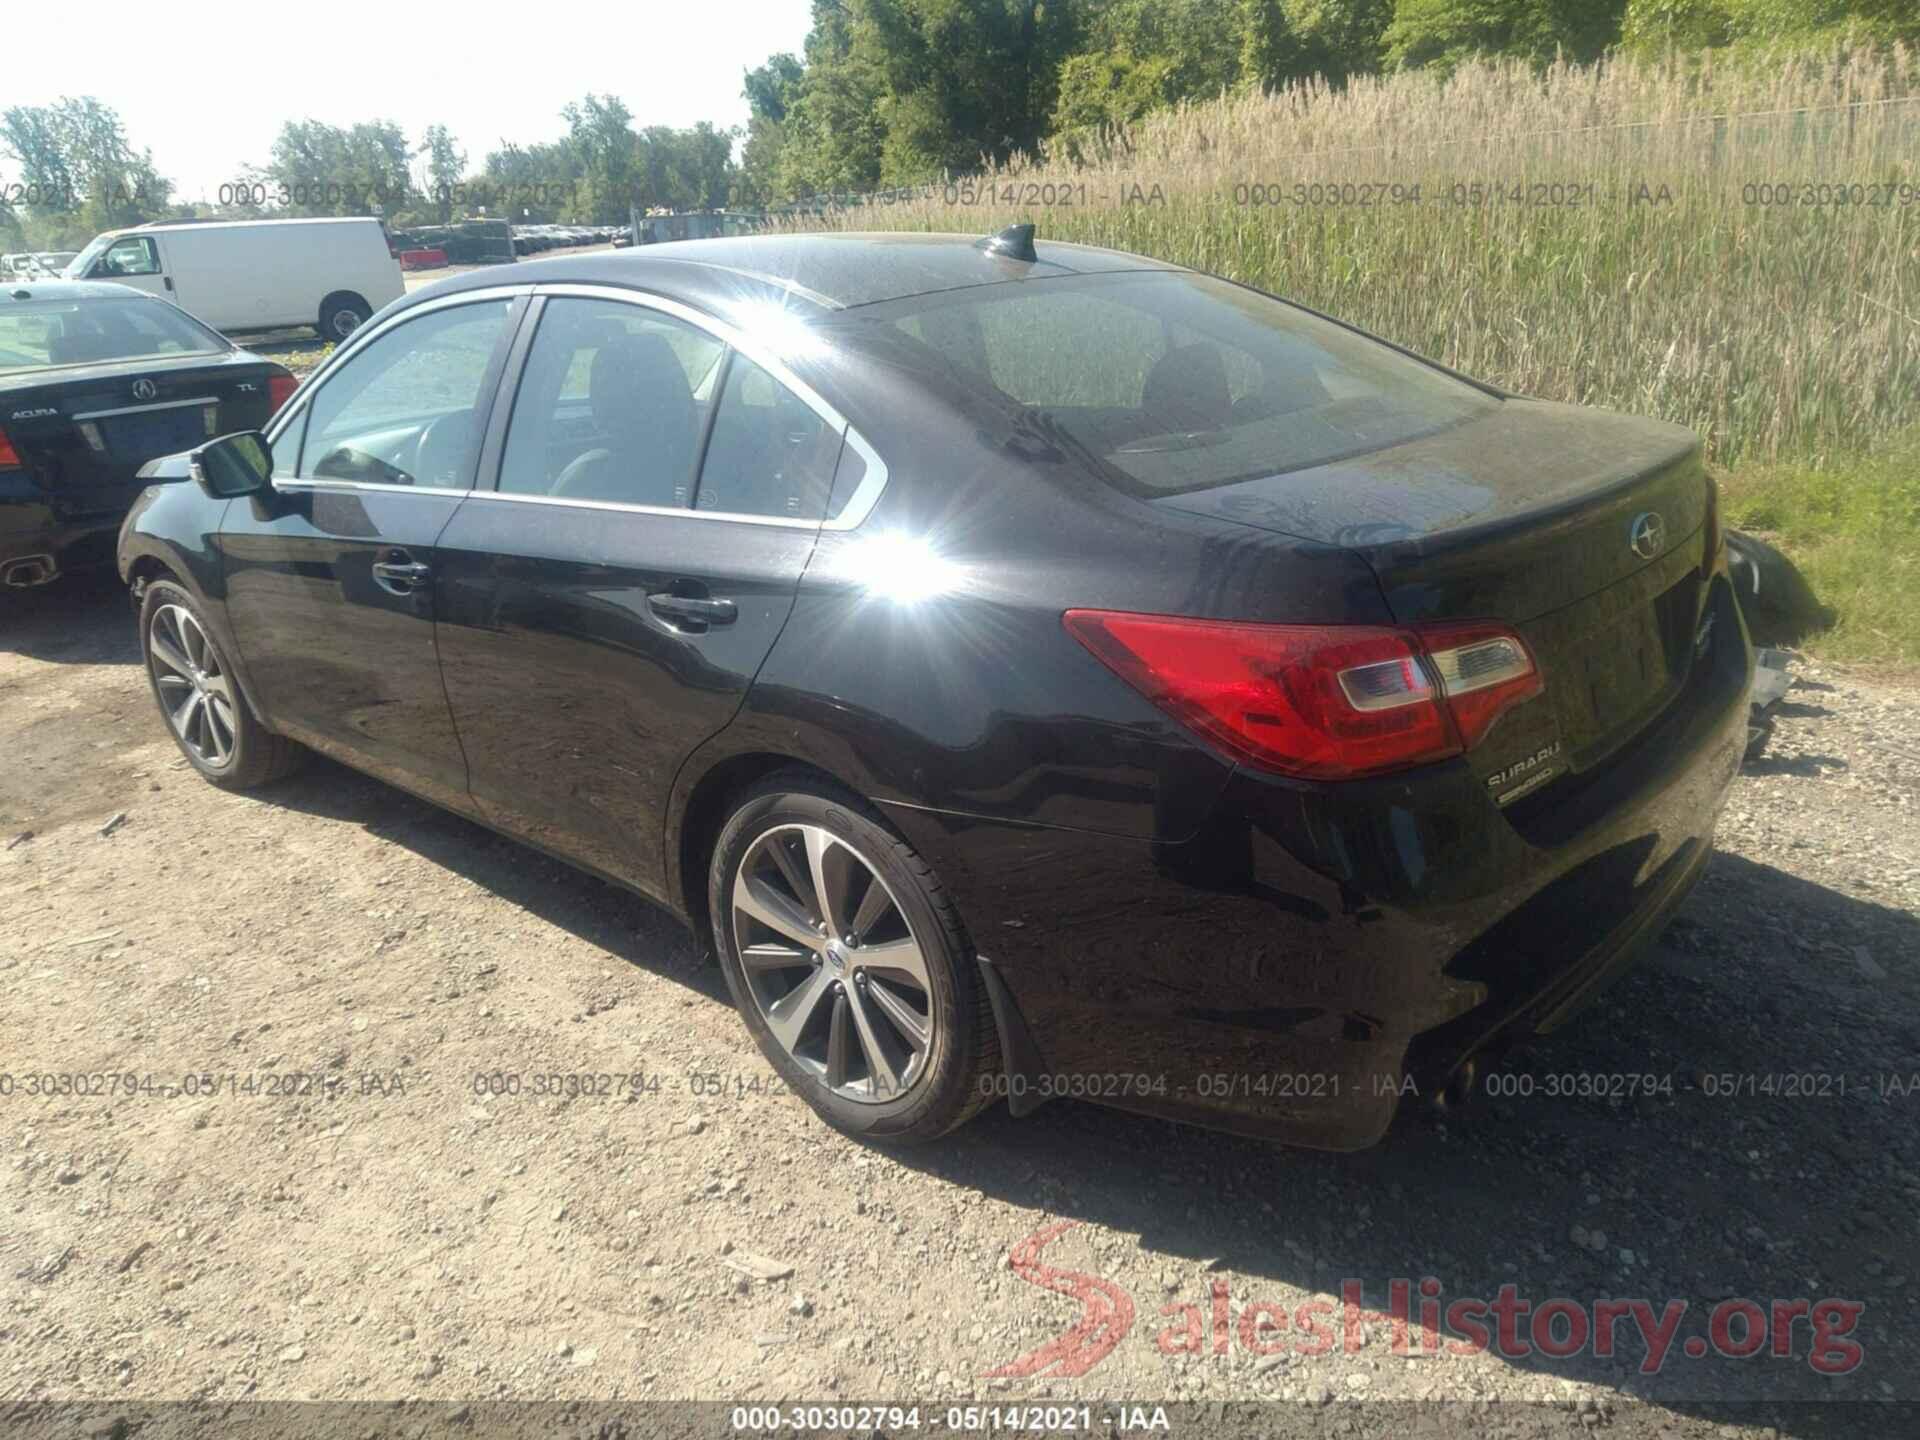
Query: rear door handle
697,609
399,573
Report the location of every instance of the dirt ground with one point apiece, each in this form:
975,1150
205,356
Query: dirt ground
291,1177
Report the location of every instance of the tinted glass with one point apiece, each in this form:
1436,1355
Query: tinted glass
1177,382
132,256
769,453
404,409
611,405
83,332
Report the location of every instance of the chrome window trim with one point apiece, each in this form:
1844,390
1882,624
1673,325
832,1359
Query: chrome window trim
327,482
679,512
142,409
860,504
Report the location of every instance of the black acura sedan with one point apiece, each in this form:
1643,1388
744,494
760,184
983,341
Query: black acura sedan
95,380
1036,670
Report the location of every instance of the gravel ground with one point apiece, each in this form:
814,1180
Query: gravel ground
384,1231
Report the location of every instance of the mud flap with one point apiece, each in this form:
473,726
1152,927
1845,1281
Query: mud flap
1018,1052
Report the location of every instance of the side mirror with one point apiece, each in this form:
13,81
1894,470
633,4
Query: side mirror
233,465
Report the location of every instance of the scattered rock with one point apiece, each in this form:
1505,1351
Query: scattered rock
757,1267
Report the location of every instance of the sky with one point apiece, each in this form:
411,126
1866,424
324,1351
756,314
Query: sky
207,92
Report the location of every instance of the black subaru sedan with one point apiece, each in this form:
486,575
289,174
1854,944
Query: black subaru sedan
95,380
1035,670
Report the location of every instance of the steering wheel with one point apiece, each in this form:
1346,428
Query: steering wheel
444,447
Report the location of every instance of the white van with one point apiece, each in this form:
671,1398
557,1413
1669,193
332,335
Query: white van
255,274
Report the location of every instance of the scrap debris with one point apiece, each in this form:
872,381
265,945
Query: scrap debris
1771,680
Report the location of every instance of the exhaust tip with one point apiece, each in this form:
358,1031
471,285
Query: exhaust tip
25,573
1459,1087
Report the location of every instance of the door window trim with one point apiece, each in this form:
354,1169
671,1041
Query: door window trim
366,335
858,506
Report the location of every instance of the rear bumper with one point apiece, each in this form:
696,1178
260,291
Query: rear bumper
30,526
1316,954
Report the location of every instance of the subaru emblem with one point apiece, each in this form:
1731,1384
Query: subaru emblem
1648,534
143,390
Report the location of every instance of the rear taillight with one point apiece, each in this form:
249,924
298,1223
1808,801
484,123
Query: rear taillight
1326,702
1484,669
9,457
280,389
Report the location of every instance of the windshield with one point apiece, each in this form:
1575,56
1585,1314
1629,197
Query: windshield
77,267
1175,382
36,334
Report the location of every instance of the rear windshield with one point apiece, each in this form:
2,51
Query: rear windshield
1175,382
37,333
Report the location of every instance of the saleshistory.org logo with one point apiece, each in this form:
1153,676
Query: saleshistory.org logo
1509,1325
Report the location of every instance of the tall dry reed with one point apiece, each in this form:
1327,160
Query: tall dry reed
1640,267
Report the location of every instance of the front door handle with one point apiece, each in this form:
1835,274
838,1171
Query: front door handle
693,608
399,573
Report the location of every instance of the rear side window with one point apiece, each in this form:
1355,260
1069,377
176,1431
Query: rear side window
1176,382
769,453
619,402
611,406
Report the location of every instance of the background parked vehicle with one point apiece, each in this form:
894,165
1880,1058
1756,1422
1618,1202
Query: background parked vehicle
95,380
43,264
332,274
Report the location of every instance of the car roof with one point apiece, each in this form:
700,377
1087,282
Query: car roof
149,226
818,273
72,290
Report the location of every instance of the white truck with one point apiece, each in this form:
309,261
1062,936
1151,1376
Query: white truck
255,274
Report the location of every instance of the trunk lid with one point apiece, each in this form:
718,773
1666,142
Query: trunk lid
1579,529
83,432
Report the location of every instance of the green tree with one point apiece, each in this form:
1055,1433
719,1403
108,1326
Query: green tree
79,171
1445,32
1108,88
321,169
600,130
1704,24
446,164
1338,38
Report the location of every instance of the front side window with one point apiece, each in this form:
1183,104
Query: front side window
405,408
1169,381
612,405
135,255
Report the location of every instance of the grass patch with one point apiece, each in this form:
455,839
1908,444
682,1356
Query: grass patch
1853,528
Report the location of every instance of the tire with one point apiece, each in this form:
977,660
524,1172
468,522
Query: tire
200,702
914,1094
341,316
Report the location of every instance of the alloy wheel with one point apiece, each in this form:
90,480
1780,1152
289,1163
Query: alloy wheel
194,688
833,964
